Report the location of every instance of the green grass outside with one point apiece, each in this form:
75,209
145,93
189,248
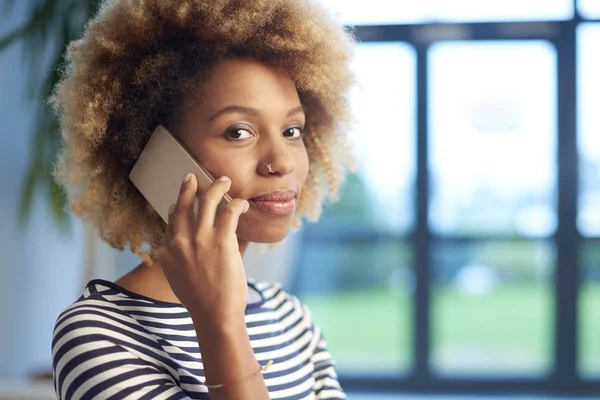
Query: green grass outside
589,331
367,330
508,331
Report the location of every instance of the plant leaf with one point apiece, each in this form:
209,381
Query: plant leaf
47,28
58,198
28,190
12,37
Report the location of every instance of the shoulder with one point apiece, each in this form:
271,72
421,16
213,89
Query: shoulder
98,347
92,315
96,317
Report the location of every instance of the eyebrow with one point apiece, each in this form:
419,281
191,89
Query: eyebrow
251,111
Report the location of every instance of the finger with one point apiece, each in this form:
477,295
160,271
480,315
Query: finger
168,235
183,220
229,217
209,201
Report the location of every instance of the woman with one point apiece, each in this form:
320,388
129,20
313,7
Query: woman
256,91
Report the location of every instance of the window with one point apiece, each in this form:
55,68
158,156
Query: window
462,238
589,8
589,306
385,134
493,174
493,138
359,250
588,220
492,307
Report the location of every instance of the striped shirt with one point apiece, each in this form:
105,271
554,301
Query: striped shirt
115,344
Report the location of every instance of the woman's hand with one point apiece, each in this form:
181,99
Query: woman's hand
200,254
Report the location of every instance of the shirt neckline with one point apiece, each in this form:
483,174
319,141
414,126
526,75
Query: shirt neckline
138,296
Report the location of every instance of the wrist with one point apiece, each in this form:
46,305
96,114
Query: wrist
230,365
220,330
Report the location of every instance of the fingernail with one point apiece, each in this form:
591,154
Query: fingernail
171,209
187,177
223,179
247,206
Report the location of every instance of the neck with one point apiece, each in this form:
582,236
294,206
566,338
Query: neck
243,245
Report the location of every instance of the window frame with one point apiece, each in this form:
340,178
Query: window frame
564,378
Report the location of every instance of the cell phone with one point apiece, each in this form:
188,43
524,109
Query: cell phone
158,172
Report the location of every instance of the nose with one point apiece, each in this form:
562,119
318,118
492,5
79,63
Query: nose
277,159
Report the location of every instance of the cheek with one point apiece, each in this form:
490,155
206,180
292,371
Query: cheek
302,166
240,170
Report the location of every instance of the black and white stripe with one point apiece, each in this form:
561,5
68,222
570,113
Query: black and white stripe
114,344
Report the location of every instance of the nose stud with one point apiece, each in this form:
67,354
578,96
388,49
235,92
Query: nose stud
270,168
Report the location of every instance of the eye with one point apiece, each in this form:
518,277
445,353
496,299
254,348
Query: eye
239,134
293,132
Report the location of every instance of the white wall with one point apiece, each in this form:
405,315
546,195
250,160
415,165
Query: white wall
39,267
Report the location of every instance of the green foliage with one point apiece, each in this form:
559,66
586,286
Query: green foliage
355,204
371,330
49,27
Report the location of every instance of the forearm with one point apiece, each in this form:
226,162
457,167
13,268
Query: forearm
228,357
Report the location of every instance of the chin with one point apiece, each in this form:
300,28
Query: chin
264,233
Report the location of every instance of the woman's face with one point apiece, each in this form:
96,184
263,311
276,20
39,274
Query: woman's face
248,116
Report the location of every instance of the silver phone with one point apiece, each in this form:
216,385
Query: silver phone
159,171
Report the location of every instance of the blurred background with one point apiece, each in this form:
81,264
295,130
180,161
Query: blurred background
462,259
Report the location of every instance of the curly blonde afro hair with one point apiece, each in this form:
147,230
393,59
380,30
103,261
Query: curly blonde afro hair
138,58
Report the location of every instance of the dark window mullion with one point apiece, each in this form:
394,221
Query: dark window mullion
422,328
567,268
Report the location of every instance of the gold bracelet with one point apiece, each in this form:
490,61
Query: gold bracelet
250,376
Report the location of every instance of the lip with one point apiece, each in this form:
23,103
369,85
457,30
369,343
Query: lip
280,202
278,196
